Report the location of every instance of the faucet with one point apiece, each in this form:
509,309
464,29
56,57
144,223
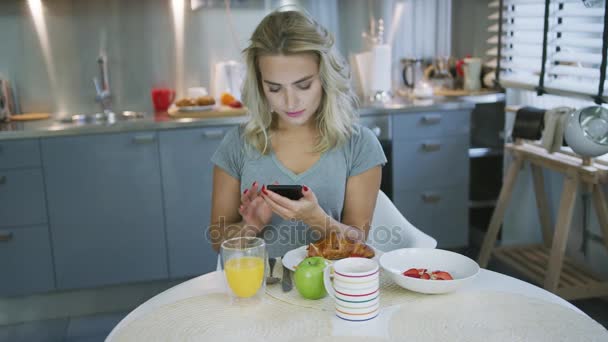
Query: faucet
102,87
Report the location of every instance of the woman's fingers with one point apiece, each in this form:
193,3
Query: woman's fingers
277,208
283,201
250,193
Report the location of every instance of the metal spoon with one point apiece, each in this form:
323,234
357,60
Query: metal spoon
270,279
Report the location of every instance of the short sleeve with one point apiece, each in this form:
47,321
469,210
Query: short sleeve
365,151
229,155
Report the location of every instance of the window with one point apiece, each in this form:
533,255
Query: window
573,47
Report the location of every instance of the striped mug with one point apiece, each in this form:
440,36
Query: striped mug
355,288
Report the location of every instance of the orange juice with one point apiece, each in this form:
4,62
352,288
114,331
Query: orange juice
244,275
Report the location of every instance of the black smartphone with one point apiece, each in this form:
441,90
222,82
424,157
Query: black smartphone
293,192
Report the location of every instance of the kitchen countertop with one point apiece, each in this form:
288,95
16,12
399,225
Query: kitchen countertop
54,127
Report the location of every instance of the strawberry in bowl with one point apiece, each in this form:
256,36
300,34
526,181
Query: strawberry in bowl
421,273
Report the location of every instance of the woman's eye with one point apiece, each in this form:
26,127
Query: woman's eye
305,86
274,89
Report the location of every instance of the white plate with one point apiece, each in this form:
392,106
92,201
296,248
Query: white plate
195,108
295,256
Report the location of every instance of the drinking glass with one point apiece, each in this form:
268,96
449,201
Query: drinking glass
244,264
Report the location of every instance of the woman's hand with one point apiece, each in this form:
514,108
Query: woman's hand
255,211
306,209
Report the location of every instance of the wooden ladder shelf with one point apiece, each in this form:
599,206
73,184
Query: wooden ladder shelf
546,263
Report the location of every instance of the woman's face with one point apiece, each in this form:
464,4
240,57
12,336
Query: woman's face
292,86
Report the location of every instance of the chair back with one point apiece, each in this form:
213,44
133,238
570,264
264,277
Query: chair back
390,230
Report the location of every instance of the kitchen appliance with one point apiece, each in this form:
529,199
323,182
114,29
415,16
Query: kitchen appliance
440,74
412,72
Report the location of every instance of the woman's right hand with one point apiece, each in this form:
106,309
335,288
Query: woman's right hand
254,210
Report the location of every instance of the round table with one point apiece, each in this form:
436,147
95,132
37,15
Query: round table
214,283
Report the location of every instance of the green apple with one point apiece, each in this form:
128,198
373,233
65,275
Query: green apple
309,278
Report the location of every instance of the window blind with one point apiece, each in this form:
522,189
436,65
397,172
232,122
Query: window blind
574,45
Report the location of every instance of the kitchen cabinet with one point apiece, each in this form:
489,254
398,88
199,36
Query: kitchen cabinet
26,264
105,208
19,154
187,173
430,161
22,197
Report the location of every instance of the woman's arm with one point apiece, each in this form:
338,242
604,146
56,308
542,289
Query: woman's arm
359,203
226,219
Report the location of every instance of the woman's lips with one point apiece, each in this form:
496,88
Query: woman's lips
295,114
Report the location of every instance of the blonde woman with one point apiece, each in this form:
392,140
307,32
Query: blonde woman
302,130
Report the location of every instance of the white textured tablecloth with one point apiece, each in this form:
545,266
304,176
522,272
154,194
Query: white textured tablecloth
169,309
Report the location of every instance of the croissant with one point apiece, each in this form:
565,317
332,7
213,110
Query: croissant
334,248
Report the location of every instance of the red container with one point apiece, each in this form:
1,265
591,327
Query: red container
162,98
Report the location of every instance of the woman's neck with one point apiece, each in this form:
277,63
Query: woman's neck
295,132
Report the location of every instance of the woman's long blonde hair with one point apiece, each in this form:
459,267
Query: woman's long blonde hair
292,32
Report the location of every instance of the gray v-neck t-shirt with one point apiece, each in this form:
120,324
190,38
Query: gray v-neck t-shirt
326,178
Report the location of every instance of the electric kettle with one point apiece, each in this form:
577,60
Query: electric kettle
413,71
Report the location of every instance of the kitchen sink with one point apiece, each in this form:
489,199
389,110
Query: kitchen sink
109,118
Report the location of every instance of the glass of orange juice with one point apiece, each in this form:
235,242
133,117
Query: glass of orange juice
244,264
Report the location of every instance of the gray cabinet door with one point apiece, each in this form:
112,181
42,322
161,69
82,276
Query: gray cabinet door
21,197
440,212
187,182
105,208
19,154
432,162
26,265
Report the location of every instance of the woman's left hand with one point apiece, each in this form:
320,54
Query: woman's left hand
303,209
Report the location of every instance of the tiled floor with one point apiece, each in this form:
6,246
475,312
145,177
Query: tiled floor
92,328
95,328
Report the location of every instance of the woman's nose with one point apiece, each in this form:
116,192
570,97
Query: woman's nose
291,100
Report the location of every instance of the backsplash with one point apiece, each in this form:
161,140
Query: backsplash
141,47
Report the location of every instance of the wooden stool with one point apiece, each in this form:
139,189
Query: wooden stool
546,264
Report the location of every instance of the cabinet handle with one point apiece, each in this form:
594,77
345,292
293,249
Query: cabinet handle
430,197
213,133
2,180
6,237
144,138
431,119
431,147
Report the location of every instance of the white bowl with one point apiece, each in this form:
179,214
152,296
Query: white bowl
462,269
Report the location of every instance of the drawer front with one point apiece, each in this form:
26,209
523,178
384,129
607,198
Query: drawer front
25,261
408,127
431,162
22,198
441,213
19,153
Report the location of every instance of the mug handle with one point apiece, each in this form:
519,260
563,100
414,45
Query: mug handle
327,281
